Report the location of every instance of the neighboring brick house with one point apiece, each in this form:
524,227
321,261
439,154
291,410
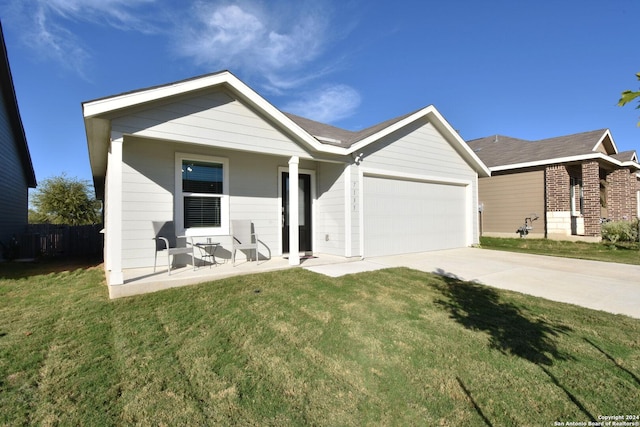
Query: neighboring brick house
571,182
16,169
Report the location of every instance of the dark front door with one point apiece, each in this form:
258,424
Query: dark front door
304,212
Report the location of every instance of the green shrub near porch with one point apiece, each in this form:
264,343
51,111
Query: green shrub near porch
620,231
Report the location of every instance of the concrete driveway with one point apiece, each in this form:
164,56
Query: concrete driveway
610,287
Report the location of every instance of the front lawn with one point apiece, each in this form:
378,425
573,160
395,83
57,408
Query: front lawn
625,253
391,347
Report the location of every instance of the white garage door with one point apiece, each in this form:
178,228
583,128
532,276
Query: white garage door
408,216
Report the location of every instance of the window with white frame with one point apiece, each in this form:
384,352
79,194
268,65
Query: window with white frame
577,196
202,196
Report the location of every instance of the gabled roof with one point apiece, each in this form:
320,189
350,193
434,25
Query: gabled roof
504,153
11,104
315,136
626,156
332,135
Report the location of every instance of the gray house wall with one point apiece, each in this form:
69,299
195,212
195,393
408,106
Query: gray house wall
14,193
16,169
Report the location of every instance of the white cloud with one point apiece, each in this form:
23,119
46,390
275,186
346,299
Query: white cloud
56,43
327,105
279,47
44,25
258,40
119,14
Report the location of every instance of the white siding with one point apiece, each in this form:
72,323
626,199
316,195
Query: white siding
148,188
214,119
330,209
417,149
147,195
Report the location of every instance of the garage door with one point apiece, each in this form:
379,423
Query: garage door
407,216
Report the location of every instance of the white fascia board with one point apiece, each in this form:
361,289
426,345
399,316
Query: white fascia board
481,168
114,103
601,140
441,124
262,104
108,105
630,164
592,156
548,162
325,139
386,131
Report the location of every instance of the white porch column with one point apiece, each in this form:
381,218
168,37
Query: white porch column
294,210
113,214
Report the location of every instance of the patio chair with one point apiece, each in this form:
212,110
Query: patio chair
243,236
166,243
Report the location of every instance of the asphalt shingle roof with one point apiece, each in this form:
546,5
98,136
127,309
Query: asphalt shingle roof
625,156
341,137
499,150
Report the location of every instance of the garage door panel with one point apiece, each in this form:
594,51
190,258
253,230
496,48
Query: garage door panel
408,216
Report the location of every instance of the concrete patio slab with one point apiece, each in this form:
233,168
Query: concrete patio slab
610,287
144,280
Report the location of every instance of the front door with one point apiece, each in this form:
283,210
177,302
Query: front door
304,209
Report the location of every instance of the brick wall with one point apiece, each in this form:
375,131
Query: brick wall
622,188
558,182
557,188
591,195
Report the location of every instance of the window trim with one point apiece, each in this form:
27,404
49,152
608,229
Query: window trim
179,196
575,183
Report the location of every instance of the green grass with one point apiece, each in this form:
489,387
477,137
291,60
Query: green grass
392,347
625,253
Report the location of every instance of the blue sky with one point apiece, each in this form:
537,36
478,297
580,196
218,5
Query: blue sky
527,69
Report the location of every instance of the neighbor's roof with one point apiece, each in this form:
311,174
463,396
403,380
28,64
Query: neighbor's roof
500,152
11,104
629,155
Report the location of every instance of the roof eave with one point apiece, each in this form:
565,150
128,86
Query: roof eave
98,135
601,141
94,111
108,106
590,156
14,115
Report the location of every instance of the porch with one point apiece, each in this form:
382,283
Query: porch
143,280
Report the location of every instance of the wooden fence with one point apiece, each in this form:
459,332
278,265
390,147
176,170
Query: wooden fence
62,241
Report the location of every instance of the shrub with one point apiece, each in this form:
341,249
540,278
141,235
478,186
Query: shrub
620,231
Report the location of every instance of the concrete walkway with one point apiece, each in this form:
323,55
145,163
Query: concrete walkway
610,287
